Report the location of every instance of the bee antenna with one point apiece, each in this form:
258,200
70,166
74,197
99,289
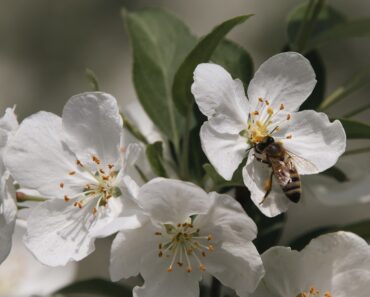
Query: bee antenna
273,130
250,148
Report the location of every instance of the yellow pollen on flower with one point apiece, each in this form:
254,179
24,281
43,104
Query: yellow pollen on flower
99,191
267,102
260,99
183,243
313,292
270,111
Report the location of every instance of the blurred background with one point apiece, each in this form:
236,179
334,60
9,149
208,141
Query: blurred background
46,45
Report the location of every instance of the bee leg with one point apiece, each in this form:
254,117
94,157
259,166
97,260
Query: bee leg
261,160
268,187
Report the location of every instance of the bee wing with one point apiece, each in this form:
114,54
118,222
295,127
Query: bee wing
301,164
281,171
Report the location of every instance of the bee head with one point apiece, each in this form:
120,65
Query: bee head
261,146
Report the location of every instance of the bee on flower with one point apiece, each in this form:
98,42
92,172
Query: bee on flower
279,142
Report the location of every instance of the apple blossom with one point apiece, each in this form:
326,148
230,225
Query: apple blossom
332,265
188,232
79,163
8,209
236,124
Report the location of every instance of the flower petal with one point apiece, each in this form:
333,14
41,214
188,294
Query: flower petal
172,201
235,261
128,249
9,121
159,282
58,232
255,175
92,127
286,78
216,92
353,283
38,158
314,139
224,150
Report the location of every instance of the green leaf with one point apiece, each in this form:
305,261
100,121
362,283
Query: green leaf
95,287
357,81
219,182
360,228
318,94
235,60
154,153
356,129
160,43
201,53
91,77
327,18
350,29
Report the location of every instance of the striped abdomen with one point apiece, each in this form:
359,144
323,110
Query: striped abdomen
293,188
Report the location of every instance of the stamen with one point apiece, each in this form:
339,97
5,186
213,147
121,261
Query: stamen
96,159
288,117
110,166
270,111
260,99
61,185
78,163
289,136
267,102
282,106
72,173
66,198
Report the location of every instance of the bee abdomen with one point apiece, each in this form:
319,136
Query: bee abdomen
293,189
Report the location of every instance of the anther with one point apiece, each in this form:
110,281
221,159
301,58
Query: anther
267,102
101,171
289,136
255,113
282,106
94,210
209,237
189,269
160,254
66,199
210,248
288,117
169,269
180,263
270,111
61,185
327,294
110,166
78,162
203,253
95,159
158,233
202,268
260,99
72,173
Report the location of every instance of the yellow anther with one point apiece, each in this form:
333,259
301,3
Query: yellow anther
61,185
260,99
327,294
209,237
255,113
169,269
289,136
288,117
94,211
210,248
72,173
314,291
267,102
66,199
270,111
202,268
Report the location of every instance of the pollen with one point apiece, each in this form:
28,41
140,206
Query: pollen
260,99
267,102
270,111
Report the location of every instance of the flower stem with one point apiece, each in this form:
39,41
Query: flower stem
184,163
357,151
215,288
357,111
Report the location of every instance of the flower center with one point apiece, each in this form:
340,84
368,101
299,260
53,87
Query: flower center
100,190
313,292
184,242
262,123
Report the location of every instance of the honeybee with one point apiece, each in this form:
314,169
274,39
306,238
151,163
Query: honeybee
284,170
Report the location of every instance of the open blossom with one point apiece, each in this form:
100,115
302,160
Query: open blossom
79,163
8,125
332,265
236,125
188,232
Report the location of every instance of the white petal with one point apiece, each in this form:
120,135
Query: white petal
172,201
317,265
255,175
128,249
353,283
225,151
9,121
235,260
38,158
314,139
216,92
159,282
286,78
58,232
92,126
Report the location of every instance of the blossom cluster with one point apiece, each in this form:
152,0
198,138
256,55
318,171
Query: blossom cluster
80,171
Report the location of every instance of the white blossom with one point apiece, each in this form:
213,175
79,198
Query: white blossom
332,265
8,209
79,163
236,124
188,232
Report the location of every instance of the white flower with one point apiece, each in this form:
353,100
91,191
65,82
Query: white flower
237,124
8,209
188,232
21,275
332,265
79,162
